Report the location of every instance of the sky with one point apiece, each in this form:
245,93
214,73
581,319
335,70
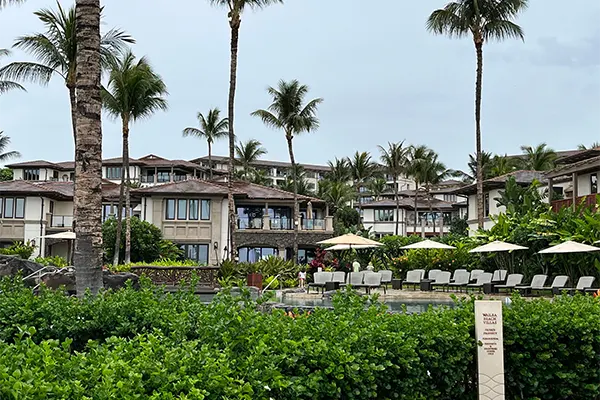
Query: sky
382,76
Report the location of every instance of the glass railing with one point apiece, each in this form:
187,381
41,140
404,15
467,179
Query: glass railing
313,224
249,223
61,221
281,223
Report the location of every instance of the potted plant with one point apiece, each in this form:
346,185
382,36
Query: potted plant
254,277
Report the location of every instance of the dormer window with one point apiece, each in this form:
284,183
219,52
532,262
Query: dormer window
31,174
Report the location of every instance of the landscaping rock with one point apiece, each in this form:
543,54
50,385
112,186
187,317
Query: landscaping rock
62,277
13,265
118,280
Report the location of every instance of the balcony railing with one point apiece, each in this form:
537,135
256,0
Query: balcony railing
313,224
179,178
249,223
61,221
586,201
282,223
147,178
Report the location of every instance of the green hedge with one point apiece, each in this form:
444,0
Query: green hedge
150,345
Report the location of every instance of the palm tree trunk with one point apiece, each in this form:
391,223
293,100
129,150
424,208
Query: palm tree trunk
479,50
127,259
73,99
234,23
210,160
397,204
416,205
119,216
296,219
431,209
88,152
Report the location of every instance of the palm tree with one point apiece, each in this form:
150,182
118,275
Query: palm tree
486,165
5,85
301,184
87,197
56,52
416,158
339,170
336,194
235,9
394,163
432,172
538,158
247,153
4,142
377,187
289,113
4,3
212,128
502,165
592,146
362,170
134,92
484,20
261,177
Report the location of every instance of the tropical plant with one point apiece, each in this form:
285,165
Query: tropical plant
377,187
395,163
261,177
594,145
20,249
538,158
346,219
235,9
4,3
8,155
289,113
247,153
416,159
502,165
336,194
486,166
134,91
339,170
56,52
362,171
55,261
6,174
432,172
87,196
212,128
483,20
6,85
146,241
302,186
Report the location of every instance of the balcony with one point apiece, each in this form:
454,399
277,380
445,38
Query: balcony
61,221
587,201
283,224
313,224
245,223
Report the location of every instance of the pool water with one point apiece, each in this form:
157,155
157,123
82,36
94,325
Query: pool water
412,306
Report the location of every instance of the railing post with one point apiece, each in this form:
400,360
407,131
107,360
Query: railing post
266,222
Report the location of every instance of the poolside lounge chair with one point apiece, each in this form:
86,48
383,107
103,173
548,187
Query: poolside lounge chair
372,280
537,283
499,275
512,281
320,279
386,277
354,278
339,276
461,280
442,279
433,273
558,283
475,273
457,271
413,278
484,277
585,282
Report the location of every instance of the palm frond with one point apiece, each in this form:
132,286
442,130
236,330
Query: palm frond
6,86
268,118
195,132
501,30
44,50
4,3
4,143
447,21
28,71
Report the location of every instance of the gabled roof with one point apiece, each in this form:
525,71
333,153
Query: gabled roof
40,164
53,190
254,191
588,164
522,177
190,186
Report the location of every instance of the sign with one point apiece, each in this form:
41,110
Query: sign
490,349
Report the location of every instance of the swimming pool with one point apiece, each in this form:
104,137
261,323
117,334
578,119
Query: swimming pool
394,305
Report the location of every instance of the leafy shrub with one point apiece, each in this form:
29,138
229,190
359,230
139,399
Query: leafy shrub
169,250
157,263
57,261
20,249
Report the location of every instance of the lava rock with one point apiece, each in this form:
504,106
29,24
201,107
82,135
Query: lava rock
118,280
13,265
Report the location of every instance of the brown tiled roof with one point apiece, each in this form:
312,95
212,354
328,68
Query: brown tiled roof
190,186
580,166
522,177
267,163
37,164
24,188
254,191
54,190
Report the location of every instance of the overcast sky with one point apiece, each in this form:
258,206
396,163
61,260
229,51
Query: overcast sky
382,75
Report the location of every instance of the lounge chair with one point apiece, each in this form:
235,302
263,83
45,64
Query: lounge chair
433,273
320,279
512,281
482,278
413,278
354,278
585,282
459,272
475,273
461,279
339,276
386,277
558,283
372,280
499,275
442,280
537,283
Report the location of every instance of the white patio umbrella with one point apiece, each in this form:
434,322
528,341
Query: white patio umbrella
497,246
427,244
351,241
349,247
69,236
569,247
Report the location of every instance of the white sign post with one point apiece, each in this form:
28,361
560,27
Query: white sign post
490,349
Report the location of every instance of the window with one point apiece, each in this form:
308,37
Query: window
451,198
163,176
196,252
182,209
31,174
253,254
9,205
194,210
205,210
593,183
107,212
384,215
19,207
113,172
170,209
486,202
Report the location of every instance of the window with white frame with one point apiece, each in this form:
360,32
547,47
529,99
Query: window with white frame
187,209
12,207
384,215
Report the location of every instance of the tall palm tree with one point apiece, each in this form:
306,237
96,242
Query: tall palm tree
87,197
483,20
432,172
362,170
247,153
212,128
335,193
502,165
538,158
486,164
235,9
134,92
56,52
339,170
395,163
5,156
289,113
6,85
301,183
417,156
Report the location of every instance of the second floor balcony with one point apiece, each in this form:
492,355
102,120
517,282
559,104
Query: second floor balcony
61,221
283,223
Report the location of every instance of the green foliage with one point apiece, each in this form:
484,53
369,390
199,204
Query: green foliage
20,249
459,226
169,250
145,240
163,262
147,344
6,174
346,219
269,267
57,261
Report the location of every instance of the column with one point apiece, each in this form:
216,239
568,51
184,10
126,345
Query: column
171,176
266,219
155,175
329,223
575,190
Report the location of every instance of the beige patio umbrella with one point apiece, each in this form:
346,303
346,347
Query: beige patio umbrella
500,247
570,247
427,244
309,211
348,247
69,236
350,241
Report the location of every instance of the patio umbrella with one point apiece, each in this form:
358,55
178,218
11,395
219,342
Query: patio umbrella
69,236
309,210
351,241
569,247
427,244
500,247
349,247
